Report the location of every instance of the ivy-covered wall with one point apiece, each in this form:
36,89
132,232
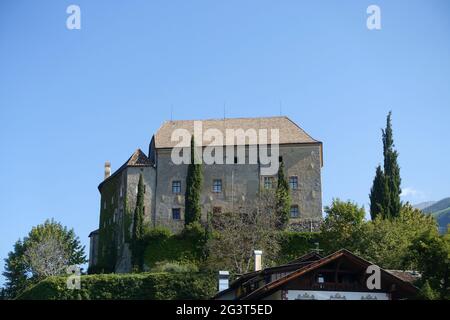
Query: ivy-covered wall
153,286
108,228
186,247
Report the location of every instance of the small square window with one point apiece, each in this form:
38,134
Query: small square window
176,186
294,211
320,279
293,183
217,186
176,214
268,182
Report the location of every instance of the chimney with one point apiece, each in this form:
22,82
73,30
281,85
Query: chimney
107,169
223,280
258,260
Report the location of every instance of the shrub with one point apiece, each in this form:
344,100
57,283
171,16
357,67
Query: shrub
163,246
296,244
152,286
174,267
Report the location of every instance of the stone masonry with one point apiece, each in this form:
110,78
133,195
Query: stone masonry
165,182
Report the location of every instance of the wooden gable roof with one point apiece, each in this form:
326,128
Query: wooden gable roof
273,286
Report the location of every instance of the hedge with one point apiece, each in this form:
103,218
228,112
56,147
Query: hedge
296,244
164,246
151,286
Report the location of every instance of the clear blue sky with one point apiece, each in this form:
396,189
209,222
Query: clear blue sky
71,99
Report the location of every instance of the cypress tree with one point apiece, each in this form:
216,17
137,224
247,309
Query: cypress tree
137,246
193,189
385,192
377,193
283,198
391,171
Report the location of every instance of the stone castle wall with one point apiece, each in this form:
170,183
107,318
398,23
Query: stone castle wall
240,184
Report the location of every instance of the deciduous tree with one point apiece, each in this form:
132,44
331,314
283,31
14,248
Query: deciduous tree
236,234
47,245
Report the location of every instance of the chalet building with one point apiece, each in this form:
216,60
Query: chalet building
338,276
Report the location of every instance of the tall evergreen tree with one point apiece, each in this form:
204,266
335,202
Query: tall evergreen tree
283,198
385,192
137,246
377,194
193,188
391,171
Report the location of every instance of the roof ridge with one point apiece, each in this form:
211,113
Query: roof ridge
289,131
224,119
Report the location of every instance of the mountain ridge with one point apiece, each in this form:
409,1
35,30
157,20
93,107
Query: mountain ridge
438,209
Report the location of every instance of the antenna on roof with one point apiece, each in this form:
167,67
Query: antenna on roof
224,109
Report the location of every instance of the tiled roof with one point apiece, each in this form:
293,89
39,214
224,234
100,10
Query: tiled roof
137,159
288,130
406,275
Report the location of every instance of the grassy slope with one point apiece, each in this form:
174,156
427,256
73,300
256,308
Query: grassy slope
441,211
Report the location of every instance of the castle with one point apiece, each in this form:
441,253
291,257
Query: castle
225,185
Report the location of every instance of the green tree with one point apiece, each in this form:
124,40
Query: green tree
137,238
391,171
283,199
385,192
431,255
386,241
193,188
21,272
377,194
427,292
16,271
342,225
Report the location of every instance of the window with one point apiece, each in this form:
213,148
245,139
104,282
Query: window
280,159
294,211
293,183
176,186
320,279
217,210
217,186
176,214
268,182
